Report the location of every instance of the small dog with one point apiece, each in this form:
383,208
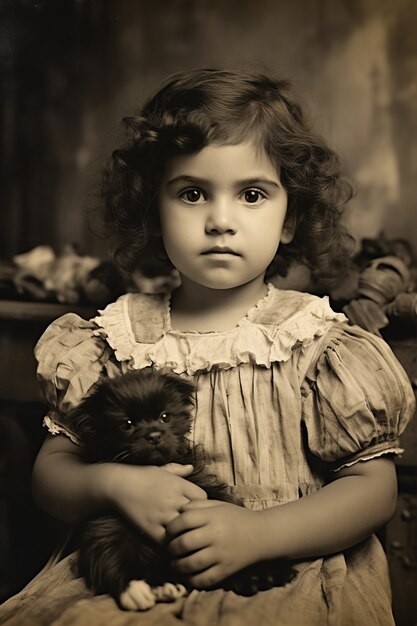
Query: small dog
143,418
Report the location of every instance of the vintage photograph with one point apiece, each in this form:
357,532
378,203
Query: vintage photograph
208,313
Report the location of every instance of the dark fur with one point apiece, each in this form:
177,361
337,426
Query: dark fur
112,551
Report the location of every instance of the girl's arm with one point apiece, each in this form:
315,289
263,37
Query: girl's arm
70,489
361,499
63,485
224,538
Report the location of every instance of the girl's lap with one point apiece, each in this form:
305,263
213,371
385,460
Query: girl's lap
331,591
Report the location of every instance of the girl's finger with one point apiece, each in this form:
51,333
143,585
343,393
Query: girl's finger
183,522
157,533
196,563
208,578
192,492
199,504
178,469
187,542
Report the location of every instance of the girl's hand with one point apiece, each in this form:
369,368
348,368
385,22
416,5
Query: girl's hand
151,496
211,540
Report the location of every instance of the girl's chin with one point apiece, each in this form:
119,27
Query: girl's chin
222,283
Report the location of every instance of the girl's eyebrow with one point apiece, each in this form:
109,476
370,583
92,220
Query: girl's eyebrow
258,179
185,178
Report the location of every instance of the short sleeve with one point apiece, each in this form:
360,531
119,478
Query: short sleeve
71,359
357,398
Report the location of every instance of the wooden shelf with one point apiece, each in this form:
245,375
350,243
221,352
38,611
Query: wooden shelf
41,311
21,325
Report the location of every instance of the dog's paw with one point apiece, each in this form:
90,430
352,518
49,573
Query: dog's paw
169,592
138,596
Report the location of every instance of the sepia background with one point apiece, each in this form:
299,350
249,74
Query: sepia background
72,68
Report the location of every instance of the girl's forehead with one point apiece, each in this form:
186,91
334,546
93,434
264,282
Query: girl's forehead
223,161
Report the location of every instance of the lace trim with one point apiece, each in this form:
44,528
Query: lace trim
370,456
117,328
56,429
190,352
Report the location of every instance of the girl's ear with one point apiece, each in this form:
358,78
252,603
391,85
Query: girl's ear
288,230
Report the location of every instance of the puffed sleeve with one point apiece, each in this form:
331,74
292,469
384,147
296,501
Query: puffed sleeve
357,398
71,358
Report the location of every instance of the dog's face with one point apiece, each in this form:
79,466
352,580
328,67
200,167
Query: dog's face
142,417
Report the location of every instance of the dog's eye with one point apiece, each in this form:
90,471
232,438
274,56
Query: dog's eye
165,417
126,425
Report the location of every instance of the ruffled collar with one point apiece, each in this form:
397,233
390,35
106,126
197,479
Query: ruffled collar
249,316
138,328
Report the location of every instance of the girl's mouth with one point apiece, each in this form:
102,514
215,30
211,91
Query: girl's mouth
220,250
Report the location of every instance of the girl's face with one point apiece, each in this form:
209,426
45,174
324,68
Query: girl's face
222,213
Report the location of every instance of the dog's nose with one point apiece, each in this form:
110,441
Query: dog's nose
154,437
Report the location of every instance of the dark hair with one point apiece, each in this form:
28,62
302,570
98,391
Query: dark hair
223,107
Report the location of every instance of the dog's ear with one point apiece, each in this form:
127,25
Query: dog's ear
81,420
184,386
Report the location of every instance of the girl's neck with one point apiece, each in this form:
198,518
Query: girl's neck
201,309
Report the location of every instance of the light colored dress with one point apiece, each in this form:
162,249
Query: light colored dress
290,394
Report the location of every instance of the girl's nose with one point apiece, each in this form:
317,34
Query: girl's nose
220,220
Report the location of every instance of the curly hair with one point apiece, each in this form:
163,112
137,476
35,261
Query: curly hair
224,107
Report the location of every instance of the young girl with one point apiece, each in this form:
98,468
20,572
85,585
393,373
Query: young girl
299,411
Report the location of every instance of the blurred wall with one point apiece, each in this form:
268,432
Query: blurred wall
72,68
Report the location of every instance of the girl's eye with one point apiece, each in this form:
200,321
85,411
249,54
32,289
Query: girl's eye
253,196
165,417
126,426
193,196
